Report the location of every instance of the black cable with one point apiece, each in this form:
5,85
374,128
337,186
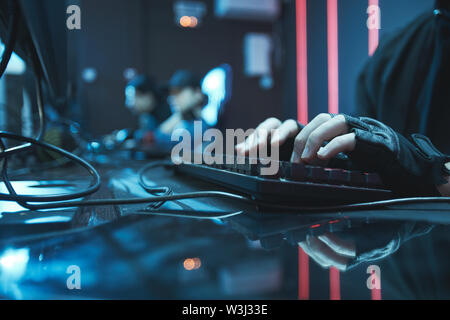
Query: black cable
40,103
93,187
230,196
41,111
30,142
156,191
63,201
23,200
12,35
49,202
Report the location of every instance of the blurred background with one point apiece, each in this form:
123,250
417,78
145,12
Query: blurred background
248,53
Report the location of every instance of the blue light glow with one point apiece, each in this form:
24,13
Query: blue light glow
13,263
53,219
216,85
130,96
16,65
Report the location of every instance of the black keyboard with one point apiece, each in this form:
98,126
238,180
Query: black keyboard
293,183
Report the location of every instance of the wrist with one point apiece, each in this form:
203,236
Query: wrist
444,189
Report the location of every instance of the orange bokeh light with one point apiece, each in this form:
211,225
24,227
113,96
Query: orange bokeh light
185,21
192,264
188,22
189,264
194,22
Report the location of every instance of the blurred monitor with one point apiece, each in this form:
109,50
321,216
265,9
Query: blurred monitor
42,37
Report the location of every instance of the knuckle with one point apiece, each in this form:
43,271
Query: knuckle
340,141
314,138
336,143
290,122
299,140
273,120
323,117
340,118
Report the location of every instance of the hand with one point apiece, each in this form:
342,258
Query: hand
328,250
259,138
372,241
308,141
409,167
170,124
444,189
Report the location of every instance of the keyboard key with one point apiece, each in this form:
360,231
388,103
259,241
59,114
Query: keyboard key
317,174
298,172
337,176
373,180
357,178
275,165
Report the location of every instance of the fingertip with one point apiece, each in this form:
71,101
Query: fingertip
295,158
322,153
275,141
240,149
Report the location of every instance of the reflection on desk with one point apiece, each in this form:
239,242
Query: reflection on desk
128,252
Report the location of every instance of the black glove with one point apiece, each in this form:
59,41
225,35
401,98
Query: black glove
410,167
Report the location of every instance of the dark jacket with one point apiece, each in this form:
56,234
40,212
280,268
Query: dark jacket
406,84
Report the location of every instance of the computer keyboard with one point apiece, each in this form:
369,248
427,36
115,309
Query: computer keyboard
292,183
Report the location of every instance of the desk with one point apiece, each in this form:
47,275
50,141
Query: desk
182,252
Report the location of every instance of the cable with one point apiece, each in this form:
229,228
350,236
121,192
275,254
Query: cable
30,142
163,191
11,37
93,187
231,196
53,202
41,111
23,200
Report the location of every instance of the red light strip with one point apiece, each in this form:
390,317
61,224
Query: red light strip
374,39
302,61
303,275
333,56
376,293
333,104
302,116
335,284
374,33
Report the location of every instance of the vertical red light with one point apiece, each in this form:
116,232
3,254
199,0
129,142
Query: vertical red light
333,56
333,103
376,293
335,284
373,25
302,116
302,61
303,275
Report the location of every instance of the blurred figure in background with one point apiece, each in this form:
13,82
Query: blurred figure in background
148,102
187,100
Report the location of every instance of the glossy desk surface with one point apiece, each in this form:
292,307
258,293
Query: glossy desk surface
217,249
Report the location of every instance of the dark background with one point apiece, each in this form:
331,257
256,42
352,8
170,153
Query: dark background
142,34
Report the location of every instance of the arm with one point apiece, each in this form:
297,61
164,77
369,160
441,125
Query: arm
445,189
170,124
410,167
